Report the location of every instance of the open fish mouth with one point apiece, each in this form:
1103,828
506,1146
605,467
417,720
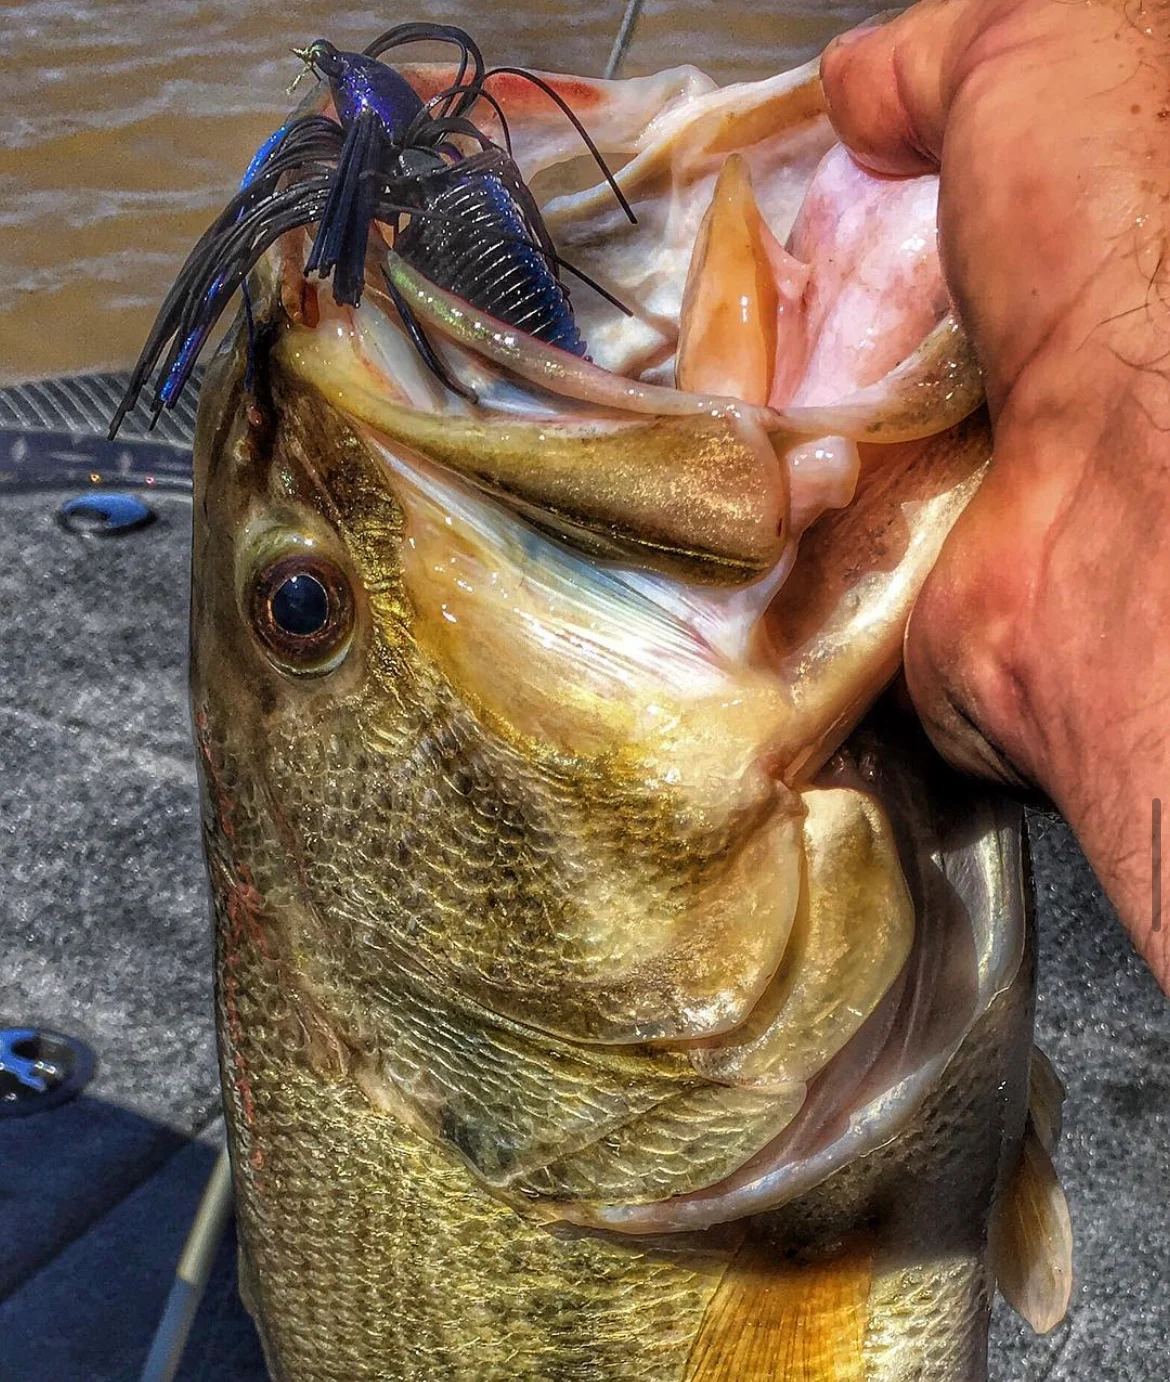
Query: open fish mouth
662,586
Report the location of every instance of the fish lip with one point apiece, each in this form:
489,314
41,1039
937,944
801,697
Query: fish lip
711,505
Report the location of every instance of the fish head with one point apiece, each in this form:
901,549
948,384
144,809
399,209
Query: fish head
435,701
521,721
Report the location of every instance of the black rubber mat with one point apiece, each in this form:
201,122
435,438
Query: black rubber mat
104,934
84,403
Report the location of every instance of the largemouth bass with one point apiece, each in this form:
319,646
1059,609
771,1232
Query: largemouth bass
596,999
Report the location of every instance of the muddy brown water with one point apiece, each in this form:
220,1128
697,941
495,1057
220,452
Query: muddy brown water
127,125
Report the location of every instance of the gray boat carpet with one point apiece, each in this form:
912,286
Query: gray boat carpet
104,934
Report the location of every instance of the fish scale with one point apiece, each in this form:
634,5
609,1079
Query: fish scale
387,1260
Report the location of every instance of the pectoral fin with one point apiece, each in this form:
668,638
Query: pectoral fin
1045,1099
1031,1238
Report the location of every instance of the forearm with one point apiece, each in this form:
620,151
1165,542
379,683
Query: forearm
1117,832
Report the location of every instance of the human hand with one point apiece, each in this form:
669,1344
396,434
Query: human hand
1040,648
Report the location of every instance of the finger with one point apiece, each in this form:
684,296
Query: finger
958,663
888,85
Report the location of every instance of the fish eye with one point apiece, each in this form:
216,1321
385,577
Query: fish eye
302,611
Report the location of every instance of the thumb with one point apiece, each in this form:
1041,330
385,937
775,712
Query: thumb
960,657
889,83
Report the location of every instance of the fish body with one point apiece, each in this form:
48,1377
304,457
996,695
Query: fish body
596,999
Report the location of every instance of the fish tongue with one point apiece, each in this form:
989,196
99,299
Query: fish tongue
740,313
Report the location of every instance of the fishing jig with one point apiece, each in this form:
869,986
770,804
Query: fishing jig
463,217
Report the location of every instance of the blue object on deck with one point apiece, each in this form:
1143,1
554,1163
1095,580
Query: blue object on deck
39,1070
105,513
